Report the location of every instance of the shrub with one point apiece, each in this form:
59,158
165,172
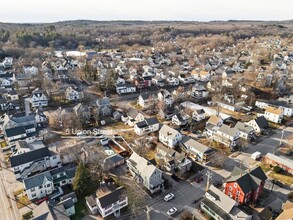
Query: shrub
290,195
277,169
27,215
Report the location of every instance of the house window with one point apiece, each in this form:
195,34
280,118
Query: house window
54,157
40,187
230,188
48,185
235,184
33,189
34,195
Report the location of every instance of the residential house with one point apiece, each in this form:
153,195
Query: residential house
218,205
108,200
169,136
48,211
178,120
146,100
43,184
39,186
23,146
113,161
283,162
196,150
134,117
40,117
33,161
83,111
201,75
198,115
260,124
147,126
227,135
215,121
38,99
199,91
282,103
72,94
157,80
167,113
245,187
146,173
173,160
104,106
274,114
165,96
246,131
125,88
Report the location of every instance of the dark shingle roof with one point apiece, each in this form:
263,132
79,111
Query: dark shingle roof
36,180
112,197
262,122
29,156
15,131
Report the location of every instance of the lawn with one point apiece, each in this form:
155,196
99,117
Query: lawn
288,180
265,167
22,201
151,154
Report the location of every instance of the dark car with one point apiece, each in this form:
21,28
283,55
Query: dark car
176,178
289,153
217,184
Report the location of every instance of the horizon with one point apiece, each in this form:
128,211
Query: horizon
152,10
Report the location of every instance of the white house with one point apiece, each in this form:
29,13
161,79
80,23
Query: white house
198,115
173,160
274,114
125,88
39,186
199,91
108,199
33,161
169,136
147,126
282,103
165,96
246,131
259,124
178,120
72,94
38,99
134,117
146,173
196,150
226,135
146,100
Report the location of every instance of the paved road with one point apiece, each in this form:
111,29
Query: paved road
8,208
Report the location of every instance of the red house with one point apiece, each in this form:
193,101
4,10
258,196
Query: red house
245,186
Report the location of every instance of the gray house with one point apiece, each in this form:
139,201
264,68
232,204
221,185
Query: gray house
104,106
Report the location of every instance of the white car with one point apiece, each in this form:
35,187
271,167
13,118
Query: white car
168,197
172,211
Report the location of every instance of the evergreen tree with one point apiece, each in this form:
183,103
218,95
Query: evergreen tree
82,179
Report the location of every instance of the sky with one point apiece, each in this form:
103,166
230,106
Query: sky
33,11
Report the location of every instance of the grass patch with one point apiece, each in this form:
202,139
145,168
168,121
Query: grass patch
265,167
18,192
151,154
22,201
286,179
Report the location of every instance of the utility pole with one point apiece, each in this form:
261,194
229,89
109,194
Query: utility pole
209,175
148,212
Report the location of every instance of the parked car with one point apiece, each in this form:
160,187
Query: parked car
289,153
168,197
217,184
39,201
176,178
172,211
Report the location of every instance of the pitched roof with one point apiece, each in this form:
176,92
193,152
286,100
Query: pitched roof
273,110
15,131
111,197
152,121
29,156
243,127
227,130
262,122
168,131
37,180
247,181
194,145
214,120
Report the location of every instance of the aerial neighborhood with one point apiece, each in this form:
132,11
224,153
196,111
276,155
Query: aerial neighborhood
122,122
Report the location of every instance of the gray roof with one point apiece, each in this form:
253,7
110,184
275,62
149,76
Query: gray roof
70,172
24,119
132,113
29,156
105,101
262,122
168,131
193,144
36,180
42,212
227,130
243,127
113,159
